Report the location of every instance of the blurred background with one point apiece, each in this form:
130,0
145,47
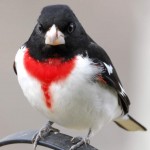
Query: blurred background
122,28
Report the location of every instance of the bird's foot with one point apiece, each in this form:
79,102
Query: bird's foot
79,141
43,132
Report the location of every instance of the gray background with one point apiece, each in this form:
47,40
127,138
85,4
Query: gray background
122,28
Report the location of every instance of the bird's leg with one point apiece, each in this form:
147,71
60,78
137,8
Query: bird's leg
80,141
43,132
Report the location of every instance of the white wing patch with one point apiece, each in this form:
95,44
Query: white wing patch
109,68
123,93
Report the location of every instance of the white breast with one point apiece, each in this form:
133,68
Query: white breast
78,102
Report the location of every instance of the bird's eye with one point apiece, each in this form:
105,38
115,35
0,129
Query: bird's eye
71,27
41,27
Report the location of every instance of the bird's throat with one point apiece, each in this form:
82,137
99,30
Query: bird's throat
47,72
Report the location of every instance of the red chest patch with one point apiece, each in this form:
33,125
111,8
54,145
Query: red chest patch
51,70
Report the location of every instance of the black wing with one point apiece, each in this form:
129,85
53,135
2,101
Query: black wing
14,67
109,75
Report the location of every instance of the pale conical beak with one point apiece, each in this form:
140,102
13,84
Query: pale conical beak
54,36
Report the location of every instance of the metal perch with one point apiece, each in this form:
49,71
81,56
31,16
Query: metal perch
57,141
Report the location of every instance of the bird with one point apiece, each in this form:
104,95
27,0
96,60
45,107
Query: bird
70,79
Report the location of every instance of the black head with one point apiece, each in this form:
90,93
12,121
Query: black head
58,33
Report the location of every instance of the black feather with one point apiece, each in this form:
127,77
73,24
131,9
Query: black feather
14,67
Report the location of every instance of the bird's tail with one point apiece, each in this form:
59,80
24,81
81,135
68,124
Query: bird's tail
129,124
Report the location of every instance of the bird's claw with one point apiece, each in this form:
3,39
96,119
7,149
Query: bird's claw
54,130
43,132
79,142
75,140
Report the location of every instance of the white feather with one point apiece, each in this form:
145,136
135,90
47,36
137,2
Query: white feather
109,68
123,93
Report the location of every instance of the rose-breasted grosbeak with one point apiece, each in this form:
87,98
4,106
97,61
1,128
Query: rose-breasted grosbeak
69,78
